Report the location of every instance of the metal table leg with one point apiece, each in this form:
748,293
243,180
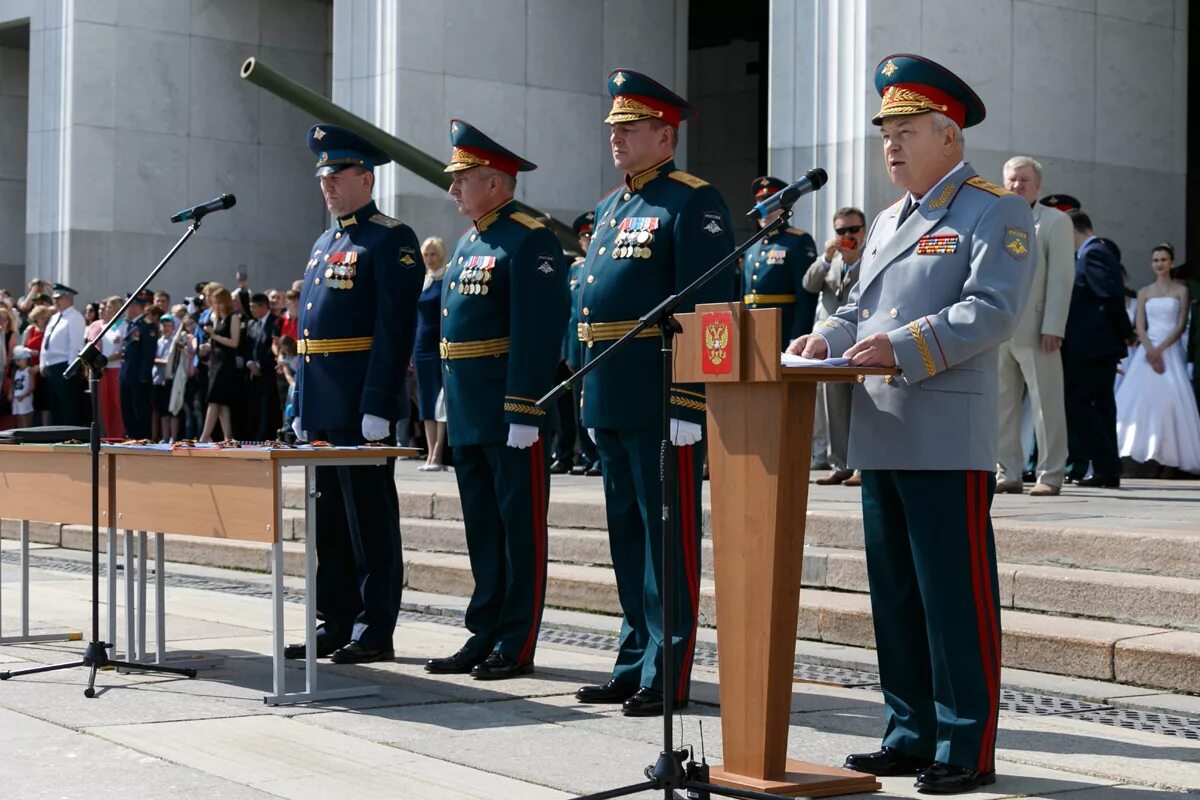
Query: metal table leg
25,637
141,594
310,693
131,652
160,601
112,592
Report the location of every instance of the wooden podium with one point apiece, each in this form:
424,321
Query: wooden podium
760,423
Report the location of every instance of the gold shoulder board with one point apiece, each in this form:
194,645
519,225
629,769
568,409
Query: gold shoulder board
987,186
526,220
687,179
384,220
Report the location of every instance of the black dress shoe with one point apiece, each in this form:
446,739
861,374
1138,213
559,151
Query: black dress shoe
1099,482
356,653
886,761
1028,477
612,692
460,663
560,467
594,471
497,667
647,703
326,646
942,778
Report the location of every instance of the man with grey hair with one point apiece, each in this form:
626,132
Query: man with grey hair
1032,358
945,272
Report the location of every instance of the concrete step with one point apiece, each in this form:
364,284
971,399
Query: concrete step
1118,597
1104,650
1070,544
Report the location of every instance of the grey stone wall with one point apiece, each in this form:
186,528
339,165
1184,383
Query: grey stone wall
530,73
1094,89
153,118
14,136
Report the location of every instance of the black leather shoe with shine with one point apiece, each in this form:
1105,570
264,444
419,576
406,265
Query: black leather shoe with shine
497,667
460,663
612,692
886,761
357,653
942,778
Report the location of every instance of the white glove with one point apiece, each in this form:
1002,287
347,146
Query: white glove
301,436
522,436
685,433
375,428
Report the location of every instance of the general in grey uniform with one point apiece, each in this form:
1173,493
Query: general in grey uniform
946,271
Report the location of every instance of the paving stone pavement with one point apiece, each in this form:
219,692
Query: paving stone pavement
444,737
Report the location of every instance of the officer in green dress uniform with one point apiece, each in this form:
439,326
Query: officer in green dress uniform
357,323
773,269
504,305
589,459
655,233
946,271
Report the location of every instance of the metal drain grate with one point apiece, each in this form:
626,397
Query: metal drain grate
706,655
1154,722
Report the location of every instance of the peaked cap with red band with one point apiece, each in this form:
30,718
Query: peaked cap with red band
637,96
473,148
1063,202
766,186
912,84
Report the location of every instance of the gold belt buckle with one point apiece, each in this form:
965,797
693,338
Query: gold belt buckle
444,349
584,332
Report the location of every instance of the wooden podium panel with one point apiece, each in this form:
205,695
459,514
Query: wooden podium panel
51,483
224,498
760,422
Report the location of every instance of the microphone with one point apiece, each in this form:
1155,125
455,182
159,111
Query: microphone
216,204
813,179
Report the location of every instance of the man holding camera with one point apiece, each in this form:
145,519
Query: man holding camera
833,275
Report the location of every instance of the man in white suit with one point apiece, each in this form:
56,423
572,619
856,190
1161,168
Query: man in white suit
1032,358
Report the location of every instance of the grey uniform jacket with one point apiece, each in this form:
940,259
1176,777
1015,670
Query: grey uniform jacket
946,287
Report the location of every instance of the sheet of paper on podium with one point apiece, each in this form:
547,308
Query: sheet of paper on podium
789,360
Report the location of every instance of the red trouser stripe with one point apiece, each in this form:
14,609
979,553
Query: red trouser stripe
687,527
985,612
538,499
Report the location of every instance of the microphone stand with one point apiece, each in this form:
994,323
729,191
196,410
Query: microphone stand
675,769
96,655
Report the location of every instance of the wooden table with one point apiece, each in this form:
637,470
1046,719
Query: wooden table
48,483
226,493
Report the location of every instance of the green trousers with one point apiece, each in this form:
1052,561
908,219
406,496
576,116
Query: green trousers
931,562
633,502
505,497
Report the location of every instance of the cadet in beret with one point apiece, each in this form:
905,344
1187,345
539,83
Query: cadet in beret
357,323
504,305
589,459
946,271
656,232
773,269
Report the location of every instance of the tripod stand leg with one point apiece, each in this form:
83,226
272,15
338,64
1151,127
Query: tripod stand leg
623,791
16,673
90,691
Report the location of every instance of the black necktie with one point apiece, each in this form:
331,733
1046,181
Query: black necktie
909,205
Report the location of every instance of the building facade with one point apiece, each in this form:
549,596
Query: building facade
116,113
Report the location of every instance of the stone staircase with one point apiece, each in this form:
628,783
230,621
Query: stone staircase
1089,601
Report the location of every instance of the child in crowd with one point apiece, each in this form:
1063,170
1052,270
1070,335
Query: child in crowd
287,362
23,381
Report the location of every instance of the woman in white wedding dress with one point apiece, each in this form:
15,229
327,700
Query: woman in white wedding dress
1157,418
